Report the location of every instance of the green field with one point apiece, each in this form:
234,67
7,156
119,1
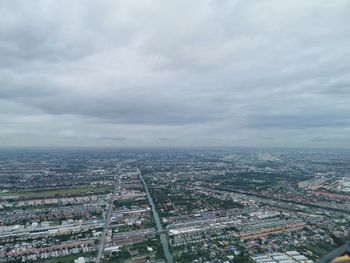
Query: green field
66,191
68,259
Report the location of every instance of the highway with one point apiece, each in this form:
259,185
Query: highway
161,231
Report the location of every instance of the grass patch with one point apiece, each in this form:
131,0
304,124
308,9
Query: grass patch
68,259
65,191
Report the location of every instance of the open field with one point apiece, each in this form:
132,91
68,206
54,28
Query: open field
68,259
65,191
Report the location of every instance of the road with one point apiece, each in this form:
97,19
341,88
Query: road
161,231
107,222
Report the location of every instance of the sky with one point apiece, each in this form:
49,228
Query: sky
265,73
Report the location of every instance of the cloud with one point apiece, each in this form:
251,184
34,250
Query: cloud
300,122
138,71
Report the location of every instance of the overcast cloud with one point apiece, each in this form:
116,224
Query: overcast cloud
175,73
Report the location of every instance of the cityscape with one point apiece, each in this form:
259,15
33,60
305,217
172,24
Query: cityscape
173,205
184,131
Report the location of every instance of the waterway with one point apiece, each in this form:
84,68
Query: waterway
163,238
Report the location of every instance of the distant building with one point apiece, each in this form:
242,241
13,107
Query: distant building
79,260
287,257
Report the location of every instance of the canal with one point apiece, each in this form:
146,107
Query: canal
163,238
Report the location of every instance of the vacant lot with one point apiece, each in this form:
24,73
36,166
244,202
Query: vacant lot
65,191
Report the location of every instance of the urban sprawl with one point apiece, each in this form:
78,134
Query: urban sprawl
173,205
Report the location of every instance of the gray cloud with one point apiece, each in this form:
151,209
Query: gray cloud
244,73
300,122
